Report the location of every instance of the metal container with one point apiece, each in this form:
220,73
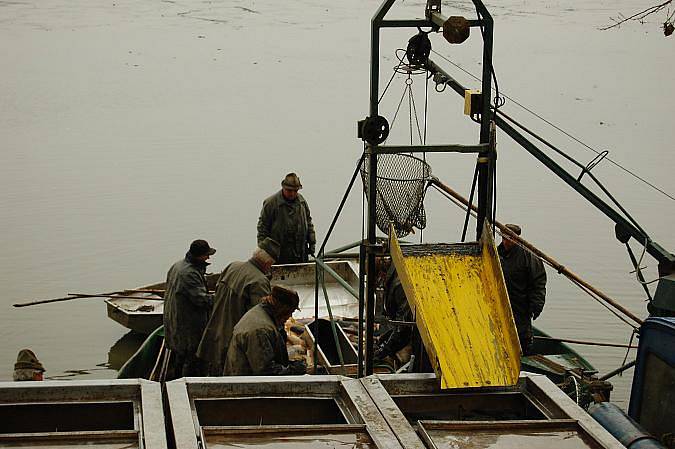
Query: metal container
283,412
328,351
532,414
113,414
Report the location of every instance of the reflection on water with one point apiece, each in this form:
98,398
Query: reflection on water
124,348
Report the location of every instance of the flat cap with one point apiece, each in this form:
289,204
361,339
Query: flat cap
27,360
291,182
271,247
286,297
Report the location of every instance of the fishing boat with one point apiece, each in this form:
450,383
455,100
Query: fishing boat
142,312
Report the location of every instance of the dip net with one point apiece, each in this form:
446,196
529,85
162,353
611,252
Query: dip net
401,185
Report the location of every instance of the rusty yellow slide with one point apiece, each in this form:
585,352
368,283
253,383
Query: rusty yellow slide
459,300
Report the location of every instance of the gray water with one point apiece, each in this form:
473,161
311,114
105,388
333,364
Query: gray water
129,128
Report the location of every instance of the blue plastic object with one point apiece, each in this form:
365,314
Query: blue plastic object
653,390
622,427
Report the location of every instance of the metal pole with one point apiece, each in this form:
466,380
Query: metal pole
372,184
530,247
653,248
362,273
485,159
337,277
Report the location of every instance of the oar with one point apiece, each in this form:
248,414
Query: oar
72,296
65,298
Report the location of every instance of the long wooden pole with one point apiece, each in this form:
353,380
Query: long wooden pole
555,264
584,342
72,296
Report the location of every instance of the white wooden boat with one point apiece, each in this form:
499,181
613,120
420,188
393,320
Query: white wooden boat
143,312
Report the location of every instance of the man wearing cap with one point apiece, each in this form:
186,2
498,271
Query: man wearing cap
258,346
187,303
27,366
526,284
241,286
285,217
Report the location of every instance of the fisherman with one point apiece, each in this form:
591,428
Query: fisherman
187,303
27,366
258,346
285,217
241,286
526,284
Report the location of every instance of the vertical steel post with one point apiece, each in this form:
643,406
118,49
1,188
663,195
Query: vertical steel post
372,184
362,274
485,159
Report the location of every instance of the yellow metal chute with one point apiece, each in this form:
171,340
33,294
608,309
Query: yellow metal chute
458,297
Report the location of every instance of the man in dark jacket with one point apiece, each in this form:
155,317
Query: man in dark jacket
285,217
241,286
526,284
258,346
187,303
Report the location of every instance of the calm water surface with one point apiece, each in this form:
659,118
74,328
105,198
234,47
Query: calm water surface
128,129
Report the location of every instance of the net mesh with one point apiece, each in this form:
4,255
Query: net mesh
401,185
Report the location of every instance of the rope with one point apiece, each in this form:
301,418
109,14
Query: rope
569,135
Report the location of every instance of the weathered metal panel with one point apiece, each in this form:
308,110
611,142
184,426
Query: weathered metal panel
109,414
203,410
458,295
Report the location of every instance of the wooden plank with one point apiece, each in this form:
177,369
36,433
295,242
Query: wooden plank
458,296
152,416
392,414
185,430
377,426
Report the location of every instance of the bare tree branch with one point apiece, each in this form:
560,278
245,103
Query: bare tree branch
639,16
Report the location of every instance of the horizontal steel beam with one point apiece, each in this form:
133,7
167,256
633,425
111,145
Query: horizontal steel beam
439,19
456,148
414,23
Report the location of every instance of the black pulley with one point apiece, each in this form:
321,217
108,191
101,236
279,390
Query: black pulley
374,130
419,47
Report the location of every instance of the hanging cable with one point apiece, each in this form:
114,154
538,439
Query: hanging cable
575,282
561,130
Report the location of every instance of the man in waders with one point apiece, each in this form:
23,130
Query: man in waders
526,284
241,286
285,217
187,303
258,345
